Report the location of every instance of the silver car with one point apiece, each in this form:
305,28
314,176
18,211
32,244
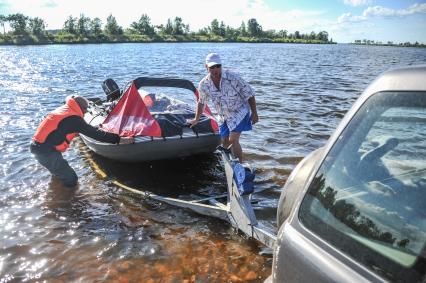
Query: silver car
355,210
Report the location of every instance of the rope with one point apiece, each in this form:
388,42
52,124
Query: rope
100,172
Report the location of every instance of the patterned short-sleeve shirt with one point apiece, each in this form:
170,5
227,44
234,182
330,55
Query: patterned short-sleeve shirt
230,100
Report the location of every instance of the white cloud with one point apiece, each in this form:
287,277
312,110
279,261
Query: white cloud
370,24
379,11
348,17
355,3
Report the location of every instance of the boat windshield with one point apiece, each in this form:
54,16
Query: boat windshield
161,102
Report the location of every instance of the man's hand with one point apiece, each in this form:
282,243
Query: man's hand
192,122
126,140
198,111
254,118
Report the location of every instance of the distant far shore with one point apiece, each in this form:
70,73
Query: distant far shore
389,43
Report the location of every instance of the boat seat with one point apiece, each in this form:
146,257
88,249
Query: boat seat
204,126
170,126
178,119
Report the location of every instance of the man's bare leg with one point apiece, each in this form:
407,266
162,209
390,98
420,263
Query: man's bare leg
234,140
225,142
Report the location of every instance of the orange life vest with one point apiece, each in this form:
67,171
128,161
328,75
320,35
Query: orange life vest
51,121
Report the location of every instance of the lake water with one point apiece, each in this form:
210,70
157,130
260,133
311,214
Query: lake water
101,232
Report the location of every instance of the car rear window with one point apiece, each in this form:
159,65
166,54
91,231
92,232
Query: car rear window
368,199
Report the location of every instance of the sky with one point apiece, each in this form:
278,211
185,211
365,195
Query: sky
344,20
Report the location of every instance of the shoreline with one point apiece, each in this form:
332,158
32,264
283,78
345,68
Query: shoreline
21,40
278,41
118,42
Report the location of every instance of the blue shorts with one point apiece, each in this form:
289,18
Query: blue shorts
244,125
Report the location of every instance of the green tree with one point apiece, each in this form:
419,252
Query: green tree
254,29
112,26
18,23
214,27
143,26
96,26
203,31
37,26
70,25
178,26
297,35
270,33
243,29
3,20
322,35
186,29
231,32
168,29
222,29
83,25
282,34
159,29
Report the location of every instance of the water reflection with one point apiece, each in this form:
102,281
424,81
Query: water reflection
58,196
351,216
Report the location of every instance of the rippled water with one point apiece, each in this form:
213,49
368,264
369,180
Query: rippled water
100,232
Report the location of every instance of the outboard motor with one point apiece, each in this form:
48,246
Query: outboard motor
111,89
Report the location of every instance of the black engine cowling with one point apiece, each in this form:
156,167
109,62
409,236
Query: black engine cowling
111,89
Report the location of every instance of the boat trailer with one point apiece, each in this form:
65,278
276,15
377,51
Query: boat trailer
237,210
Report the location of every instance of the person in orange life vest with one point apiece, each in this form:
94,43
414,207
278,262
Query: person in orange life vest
55,133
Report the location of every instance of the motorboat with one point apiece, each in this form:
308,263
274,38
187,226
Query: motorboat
156,120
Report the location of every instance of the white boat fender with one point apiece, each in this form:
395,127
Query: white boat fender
244,178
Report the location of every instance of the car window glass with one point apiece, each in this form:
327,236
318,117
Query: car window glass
370,192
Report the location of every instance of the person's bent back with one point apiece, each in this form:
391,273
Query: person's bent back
55,133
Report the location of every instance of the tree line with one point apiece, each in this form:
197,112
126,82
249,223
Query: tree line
27,30
388,43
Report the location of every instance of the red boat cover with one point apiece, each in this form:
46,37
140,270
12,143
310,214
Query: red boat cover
130,117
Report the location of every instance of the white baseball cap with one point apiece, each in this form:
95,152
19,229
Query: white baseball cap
213,59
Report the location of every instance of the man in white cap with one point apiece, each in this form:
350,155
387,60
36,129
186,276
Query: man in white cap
233,99
55,132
